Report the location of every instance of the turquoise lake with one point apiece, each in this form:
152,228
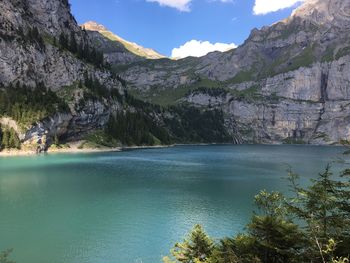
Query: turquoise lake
132,206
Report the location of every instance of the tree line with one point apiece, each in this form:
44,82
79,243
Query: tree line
313,225
189,124
99,90
65,41
9,139
136,128
27,105
81,49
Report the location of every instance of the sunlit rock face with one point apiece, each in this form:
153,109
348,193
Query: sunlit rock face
288,82
28,62
298,69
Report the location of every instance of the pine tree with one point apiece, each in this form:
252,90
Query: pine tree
4,256
14,141
323,207
80,52
35,33
225,253
73,46
1,146
56,140
5,140
63,41
275,238
196,248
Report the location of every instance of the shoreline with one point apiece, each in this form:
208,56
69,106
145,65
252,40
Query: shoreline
74,149
10,153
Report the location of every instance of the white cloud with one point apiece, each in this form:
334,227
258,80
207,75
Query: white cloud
197,48
263,7
182,5
222,1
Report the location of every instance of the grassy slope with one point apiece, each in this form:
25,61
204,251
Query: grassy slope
132,47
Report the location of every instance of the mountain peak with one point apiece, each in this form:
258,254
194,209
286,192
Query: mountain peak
94,26
320,12
132,47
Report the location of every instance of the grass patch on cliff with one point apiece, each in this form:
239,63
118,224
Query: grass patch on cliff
322,136
242,76
304,59
172,96
328,55
67,92
342,52
286,62
212,92
162,96
250,95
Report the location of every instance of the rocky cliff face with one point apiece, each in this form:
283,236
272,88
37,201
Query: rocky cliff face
53,17
114,51
309,105
28,60
317,31
287,83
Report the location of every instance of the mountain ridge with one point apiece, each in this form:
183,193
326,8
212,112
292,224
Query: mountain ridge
134,48
57,87
284,83
287,83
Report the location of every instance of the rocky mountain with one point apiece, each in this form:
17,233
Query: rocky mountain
56,86
116,49
39,44
288,82
29,59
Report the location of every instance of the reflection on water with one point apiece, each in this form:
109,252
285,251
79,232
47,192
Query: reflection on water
132,206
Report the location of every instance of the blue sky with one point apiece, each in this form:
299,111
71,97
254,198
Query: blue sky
167,24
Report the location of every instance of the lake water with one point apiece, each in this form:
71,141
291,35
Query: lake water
132,206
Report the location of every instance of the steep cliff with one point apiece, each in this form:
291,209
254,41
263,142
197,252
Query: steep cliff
288,82
36,48
56,85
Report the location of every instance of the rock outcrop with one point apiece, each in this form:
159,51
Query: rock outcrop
288,82
28,60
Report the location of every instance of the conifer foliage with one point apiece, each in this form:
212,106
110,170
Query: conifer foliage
9,139
311,226
27,105
136,128
34,36
4,256
82,50
198,247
